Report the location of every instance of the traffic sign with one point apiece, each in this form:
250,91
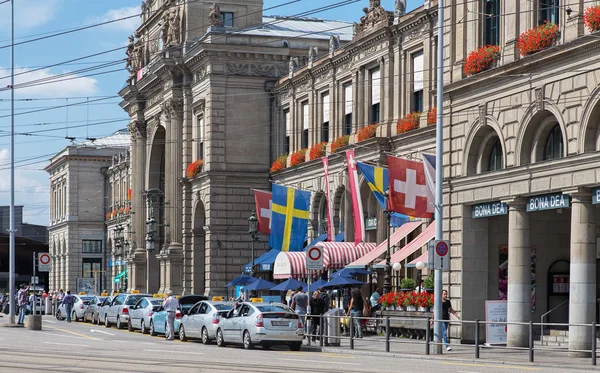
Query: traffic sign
314,259
35,280
44,262
442,259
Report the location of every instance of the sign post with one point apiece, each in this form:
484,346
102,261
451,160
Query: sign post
314,262
442,259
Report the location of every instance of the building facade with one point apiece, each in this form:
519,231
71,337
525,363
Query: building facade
80,203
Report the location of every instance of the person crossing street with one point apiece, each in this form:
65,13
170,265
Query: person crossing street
171,304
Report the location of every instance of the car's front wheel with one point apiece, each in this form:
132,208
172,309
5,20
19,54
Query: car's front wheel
205,338
182,336
106,322
220,341
143,327
58,316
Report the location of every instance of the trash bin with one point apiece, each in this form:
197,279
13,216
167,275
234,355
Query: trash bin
332,326
48,305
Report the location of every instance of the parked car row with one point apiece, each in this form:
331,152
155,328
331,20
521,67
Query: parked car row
248,324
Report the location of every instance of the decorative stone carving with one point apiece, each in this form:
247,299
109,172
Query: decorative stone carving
200,74
129,61
483,114
273,71
154,99
334,44
294,64
399,8
174,27
215,18
137,130
172,107
539,98
374,15
413,34
313,54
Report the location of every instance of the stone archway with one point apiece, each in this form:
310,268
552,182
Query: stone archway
339,209
589,134
199,249
536,129
483,143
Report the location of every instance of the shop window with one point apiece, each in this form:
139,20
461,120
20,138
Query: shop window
554,144
91,266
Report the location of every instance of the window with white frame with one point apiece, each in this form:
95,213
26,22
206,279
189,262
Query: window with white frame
288,130
325,126
375,95
347,109
305,119
417,96
201,132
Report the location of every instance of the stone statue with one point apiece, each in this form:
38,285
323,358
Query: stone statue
400,8
313,54
374,14
130,55
175,27
138,50
165,28
334,44
354,28
294,63
363,19
215,18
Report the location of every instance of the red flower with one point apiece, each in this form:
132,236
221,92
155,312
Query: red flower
129,194
408,123
317,150
367,132
432,116
279,164
340,142
298,157
127,209
537,38
114,214
108,216
591,18
121,210
481,59
194,168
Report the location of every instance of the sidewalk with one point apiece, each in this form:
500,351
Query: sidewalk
414,349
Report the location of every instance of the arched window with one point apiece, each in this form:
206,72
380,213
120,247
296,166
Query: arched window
322,215
496,160
554,144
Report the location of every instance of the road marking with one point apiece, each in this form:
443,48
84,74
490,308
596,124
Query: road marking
148,343
78,334
177,352
314,361
50,321
64,344
100,331
492,366
326,354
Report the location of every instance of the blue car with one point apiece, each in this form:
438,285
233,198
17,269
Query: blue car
158,321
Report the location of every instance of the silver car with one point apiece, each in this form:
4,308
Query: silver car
101,311
202,320
91,312
266,324
80,303
140,314
118,312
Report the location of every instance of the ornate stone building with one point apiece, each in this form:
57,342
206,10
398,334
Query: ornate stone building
201,89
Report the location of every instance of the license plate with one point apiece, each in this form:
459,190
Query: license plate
280,323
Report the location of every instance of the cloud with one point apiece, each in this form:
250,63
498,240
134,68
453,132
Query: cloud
29,14
81,86
129,24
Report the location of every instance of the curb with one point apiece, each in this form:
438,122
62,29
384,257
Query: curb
435,357
8,325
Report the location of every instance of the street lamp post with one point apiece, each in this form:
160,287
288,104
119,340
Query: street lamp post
387,282
420,265
252,229
397,267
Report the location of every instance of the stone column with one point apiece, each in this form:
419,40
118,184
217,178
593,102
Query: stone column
519,273
512,22
582,291
189,155
358,99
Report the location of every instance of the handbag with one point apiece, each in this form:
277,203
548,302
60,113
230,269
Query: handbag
366,310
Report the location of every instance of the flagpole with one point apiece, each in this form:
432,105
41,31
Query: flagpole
437,308
11,230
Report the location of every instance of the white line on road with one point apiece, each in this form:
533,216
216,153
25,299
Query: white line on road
64,344
314,361
100,331
177,352
50,321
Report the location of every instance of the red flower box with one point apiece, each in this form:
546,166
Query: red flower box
298,157
367,132
591,18
108,216
129,194
340,142
114,214
121,210
194,168
432,116
537,38
481,59
317,151
127,209
408,123
279,164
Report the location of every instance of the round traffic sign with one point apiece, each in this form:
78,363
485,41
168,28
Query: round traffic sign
314,253
44,259
441,248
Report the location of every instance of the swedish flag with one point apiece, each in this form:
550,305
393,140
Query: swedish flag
289,219
377,179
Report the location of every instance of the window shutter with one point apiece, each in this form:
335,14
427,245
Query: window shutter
348,99
325,108
375,87
417,71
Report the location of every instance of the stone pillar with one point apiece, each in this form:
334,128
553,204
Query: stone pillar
573,24
397,82
189,155
582,291
519,273
512,22
358,98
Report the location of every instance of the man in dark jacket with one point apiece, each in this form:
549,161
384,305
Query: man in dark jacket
68,301
317,306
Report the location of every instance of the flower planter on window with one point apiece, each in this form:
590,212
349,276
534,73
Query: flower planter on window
298,157
481,59
194,168
538,38
279,164
340,142
367,132
591,18
432,116
408,123
317,151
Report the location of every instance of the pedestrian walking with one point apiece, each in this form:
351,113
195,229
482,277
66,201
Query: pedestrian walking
317,309
355,308
171,304
68,301
22,303
446,311
292,298
300,304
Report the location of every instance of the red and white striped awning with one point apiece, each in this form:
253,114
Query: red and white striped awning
421,240
337,255
290,264
423,258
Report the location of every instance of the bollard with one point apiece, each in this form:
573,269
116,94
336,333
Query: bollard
352,332
476,338
531,341
427,335
321,325
307,324
594,334
387,334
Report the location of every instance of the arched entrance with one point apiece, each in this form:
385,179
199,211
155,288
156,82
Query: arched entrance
156,209
199,252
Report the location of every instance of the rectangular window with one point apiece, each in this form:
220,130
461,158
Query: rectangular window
417,97
200,137
227,19
348,109
91,246
325,126
91,266
288,130
375,95
348,124
304,125
549,11
65,201
492,22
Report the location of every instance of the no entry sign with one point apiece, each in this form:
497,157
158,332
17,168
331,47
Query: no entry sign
314,259
44,262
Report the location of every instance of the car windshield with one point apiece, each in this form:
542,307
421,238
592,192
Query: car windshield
156,302
223,307
273,308
132,300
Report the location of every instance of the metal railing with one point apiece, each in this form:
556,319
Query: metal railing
546,314
384,324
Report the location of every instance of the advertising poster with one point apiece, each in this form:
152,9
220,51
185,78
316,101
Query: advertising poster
503,274
495,311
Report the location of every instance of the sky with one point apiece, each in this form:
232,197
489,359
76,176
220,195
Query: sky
39,135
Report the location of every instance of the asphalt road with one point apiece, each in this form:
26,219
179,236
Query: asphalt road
79,347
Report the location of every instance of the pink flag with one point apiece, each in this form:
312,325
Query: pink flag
357,210
330,235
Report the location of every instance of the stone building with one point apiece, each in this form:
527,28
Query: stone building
201,89
79,202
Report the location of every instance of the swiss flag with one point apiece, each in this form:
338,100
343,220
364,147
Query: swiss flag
263,210
408,188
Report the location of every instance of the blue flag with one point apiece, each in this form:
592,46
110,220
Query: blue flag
377,179
289,219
